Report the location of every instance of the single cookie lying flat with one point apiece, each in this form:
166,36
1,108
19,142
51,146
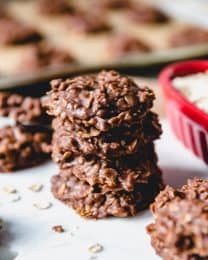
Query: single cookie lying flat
58,7
22,147
120,45
13,33
108,4
43,54
142,13
180,231
188,36
22,109
84,23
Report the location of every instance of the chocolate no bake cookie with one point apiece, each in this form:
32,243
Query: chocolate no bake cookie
43,54
142,13
180,231
103,101
121,173
119,141
121,45
22,147
58,7
13,32
194,189
109,4
188,36
94,204
23,109
84,23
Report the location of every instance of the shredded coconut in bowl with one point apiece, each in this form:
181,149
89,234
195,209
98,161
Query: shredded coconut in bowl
195,88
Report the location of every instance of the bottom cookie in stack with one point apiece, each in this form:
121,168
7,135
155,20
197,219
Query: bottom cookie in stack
101,191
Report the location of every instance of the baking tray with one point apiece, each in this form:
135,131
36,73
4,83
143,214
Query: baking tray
131,62
141,63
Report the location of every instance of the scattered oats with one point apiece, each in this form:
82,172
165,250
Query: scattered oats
14,197
96,248
9,189
1,224
187,218
58,229
42,205
36,187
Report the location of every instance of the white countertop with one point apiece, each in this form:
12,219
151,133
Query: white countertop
28,231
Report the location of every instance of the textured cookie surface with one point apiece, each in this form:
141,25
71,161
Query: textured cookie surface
115,174
104,101
22,109
180,230
22,147
94,204
119,141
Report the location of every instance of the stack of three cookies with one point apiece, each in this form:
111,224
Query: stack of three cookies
103,143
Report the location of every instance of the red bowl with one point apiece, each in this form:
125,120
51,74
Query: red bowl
189,123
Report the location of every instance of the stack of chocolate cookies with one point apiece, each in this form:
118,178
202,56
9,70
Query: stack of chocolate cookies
103,143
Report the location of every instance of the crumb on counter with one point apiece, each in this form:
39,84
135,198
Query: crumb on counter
58,229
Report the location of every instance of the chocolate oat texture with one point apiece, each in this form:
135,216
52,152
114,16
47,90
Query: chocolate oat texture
180,230
26,142
103,144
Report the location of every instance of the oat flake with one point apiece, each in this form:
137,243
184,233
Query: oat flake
9,189
42,205
36,187
96,248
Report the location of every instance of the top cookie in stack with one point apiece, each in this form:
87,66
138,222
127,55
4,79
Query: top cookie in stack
103,143
102,101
